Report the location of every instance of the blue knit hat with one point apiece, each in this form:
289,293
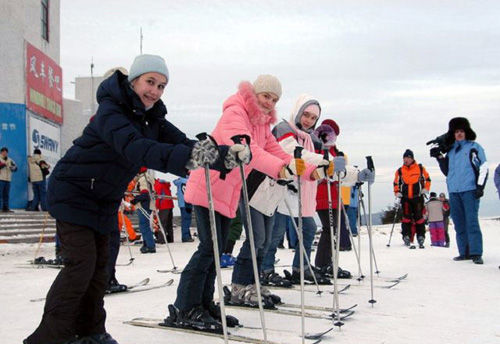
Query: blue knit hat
148,64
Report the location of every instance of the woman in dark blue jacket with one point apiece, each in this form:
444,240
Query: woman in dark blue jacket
87,185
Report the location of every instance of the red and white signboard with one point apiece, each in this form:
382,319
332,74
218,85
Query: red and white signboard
43,85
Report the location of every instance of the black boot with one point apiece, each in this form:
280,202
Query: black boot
274,279
196,318
115,287
215,312
421,240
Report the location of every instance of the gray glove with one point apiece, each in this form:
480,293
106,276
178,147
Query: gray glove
204,152
237,152
366,175
399,195
339,164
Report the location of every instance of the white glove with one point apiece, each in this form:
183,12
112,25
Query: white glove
242,152
399,195
424,192
367,175
292,169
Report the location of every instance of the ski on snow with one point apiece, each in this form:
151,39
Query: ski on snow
133,288
290,312
154,323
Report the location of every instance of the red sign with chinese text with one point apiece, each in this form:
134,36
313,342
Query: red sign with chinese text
43,85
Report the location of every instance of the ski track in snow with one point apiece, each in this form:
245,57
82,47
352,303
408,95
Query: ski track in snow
441,301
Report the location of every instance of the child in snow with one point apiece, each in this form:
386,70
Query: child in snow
87,185
249,112
434,213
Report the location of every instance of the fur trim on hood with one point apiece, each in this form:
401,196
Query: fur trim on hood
255,114
326,134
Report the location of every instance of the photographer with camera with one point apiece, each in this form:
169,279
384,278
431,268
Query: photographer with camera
411,184
466,170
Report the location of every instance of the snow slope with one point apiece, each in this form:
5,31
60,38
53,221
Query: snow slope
441,301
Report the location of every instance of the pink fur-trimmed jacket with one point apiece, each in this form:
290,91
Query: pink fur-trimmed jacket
241,116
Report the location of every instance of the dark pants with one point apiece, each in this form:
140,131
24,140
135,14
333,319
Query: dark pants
186,222
75,304
4,194
114,249
39,195
413,211
197,284
324,253
166,218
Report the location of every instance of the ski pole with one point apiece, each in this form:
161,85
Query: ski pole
41,236
394,223
152,194
297,155
335,253
124,228
319,292
371,167
206,166
346,219
237,140
372,250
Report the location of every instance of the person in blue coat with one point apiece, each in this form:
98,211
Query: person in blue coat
86,186
466,171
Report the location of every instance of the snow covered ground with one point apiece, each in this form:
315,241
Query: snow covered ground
441,301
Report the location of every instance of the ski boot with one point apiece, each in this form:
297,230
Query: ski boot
241,295
294,277
406,240
420,241
215,312
266,293
197,318
115,287
227,260
40,261
327,270
274,279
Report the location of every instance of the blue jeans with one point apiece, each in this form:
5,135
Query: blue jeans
146,232
185,224
279,228
464,211
352,214
4,194
262,229
197,283
308,231
39,195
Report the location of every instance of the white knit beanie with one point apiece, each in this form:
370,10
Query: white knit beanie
267,83
148,64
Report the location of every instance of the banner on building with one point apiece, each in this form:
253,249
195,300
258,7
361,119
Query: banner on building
13,136
43,85
46,137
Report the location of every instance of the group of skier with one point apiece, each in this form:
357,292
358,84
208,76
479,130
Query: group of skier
129,131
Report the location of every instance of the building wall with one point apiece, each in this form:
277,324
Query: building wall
85,91
74,123
20,21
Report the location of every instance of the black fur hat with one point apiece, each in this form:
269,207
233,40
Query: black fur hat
461,123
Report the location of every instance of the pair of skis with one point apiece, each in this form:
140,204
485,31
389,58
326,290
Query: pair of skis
133,288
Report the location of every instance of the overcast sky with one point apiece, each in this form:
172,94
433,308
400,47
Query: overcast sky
391,73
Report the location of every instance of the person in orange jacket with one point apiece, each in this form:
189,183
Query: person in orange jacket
411,184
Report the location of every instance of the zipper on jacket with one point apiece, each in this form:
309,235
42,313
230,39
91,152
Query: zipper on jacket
92,184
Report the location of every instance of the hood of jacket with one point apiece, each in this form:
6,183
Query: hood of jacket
303,101
247,99
118,89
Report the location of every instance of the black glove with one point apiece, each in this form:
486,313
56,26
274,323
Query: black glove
134,201
479,191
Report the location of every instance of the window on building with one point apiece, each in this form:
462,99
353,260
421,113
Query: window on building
45,20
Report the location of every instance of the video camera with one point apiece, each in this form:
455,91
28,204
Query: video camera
440,145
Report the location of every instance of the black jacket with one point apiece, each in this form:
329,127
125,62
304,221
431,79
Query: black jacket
87,184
